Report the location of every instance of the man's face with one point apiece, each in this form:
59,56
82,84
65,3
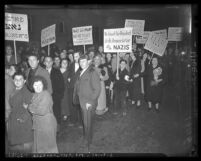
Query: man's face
48,62
57,61
9,50
84,63
33,61
76,57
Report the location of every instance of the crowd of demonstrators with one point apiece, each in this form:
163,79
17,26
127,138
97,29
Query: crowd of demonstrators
81,85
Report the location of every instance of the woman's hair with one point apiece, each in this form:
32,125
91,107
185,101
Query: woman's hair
123,60
41,79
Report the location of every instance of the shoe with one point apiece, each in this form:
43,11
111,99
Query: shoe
80,126
115,113
138,104
65,118
70,124
124,114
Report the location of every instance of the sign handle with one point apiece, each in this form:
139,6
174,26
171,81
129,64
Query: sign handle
151,58
176,45
84,49
48,50
15,52
118,64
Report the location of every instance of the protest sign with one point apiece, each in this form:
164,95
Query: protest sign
82,35
16,27
142,39
118,40
175,33
136,25
156,44
48,35
162,33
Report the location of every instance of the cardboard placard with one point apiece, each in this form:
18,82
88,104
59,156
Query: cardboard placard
48,35
156,44
82,35
175,33
142,39
16,27
162,33
118,40
136,25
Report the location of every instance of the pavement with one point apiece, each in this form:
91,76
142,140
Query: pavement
141,131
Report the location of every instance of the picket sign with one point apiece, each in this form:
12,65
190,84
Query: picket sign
136,25
175,33
118,40
143,38
48,35
15,52
162,33
82,35
16,29
156,44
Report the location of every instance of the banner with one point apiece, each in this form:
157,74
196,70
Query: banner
16,27
142,39
162,33
137,26
118,40
48,35
82,35
156,44
175,33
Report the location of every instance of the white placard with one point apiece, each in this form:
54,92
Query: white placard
162,33
156,44
118,40
16,27
48,35
142,39
175,33
137,26
82,35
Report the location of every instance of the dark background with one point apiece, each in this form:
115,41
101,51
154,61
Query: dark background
101,17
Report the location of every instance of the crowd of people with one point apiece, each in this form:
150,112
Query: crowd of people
43,91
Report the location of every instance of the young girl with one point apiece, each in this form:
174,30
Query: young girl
44,122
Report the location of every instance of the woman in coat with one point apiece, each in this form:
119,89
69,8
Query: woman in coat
155,82
65,101
44,121
135,75
20,133
103,73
